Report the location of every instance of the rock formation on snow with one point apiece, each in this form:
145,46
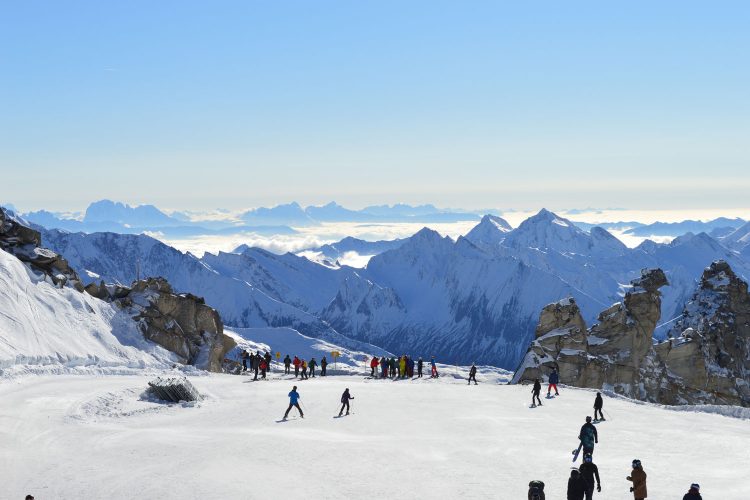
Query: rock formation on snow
181,323
25,244
707,363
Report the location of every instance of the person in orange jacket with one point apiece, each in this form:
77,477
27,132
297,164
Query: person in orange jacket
638,478
373,364
296,364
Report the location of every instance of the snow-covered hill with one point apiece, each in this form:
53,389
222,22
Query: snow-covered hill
46,328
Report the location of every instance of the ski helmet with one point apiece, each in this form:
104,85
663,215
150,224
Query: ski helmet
695,486
588,419
636,463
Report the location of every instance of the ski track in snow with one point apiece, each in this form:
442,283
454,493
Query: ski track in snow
67,437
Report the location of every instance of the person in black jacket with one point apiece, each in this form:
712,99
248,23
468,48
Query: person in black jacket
576,486
535,393
323,364
420,364
267,358
589,471
473,374
345,401
244,357
311,365
588,436
287,365
694,493
598,404
256,364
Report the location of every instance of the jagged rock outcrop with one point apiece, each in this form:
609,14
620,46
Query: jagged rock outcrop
25,244
181,323
707,360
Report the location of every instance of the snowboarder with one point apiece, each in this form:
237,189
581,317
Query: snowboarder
287,363
244,357
535,393
598,404
294,403
576,485
589,471
536,490
473,374
303,369
296,364
434,368
554,378
420,363
638,478
345,401
312,364
373,364
588,436
323,364
694,493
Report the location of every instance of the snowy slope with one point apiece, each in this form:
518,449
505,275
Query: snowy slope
72,437
45,328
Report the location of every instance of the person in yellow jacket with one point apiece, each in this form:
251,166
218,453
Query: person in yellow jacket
638,478
303,370
402,366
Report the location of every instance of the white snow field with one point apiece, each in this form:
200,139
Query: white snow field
73,437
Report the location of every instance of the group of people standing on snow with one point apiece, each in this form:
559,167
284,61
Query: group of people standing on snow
584,479
256,362
401,367
303,369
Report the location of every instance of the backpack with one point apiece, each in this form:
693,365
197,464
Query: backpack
536,490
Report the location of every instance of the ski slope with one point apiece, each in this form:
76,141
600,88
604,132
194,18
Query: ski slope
70,437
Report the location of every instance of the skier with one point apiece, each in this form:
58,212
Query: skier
312,364
535,393
287,363
296,364
638,478
345,401
384,367
402,366
536,490
256,364
410,366
598,404
303,369
244,357
268,358
420,363
392,367
589,471
263,368
323,364
294,402
373,364
576,485
694,493
588,437
473,374
434,368
554,378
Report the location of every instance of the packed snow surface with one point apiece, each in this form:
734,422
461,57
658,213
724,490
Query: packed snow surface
71,437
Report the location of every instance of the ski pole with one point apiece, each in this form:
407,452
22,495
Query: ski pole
608,416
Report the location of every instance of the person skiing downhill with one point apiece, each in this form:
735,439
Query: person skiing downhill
345,397
589,471
473,374
638,478
576,486
598,404
420,363
287,363
554,378
588,436
373,365
694,493
294,403
535,393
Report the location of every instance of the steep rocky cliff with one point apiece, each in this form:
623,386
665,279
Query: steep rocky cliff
181,323
704,361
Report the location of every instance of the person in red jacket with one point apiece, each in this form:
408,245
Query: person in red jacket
296,364
373,364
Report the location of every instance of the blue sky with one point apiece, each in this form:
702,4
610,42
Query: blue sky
473,104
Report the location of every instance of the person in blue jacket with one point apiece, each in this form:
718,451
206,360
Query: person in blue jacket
554,378
294,403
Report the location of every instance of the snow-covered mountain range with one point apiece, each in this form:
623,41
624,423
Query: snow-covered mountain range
473,299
